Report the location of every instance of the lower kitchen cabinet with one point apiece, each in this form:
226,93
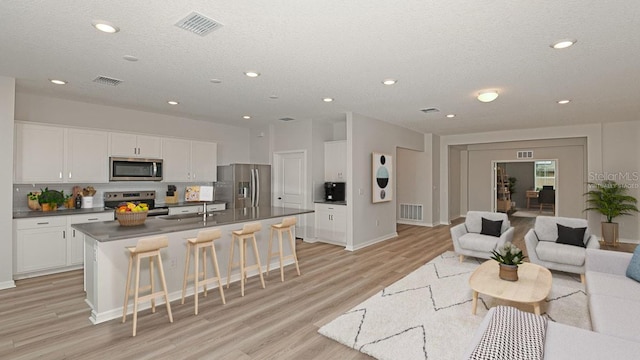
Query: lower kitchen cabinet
331,223
47,245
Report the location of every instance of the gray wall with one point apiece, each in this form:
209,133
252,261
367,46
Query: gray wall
523,171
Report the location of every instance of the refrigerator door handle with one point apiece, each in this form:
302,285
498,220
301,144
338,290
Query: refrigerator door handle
257,182
252,185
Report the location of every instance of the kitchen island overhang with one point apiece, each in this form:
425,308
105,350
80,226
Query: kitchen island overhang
106,259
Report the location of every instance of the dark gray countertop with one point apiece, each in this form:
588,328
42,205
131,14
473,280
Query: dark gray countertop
32,214
330,202
111,230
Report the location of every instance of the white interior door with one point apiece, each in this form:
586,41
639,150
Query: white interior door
289,180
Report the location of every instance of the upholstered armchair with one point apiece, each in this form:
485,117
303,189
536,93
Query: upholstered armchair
545,248
469,240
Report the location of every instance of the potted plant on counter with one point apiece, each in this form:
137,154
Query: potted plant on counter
32,200
50,199
611,200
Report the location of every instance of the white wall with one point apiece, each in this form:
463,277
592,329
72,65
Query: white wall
7,107
368,223
234,143
413,182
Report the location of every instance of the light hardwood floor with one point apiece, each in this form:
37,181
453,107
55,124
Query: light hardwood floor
46,317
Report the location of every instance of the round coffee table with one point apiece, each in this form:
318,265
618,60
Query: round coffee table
532,287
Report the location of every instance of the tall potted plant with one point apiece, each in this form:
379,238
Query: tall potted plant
611,200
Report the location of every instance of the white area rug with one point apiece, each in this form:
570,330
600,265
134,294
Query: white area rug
427,314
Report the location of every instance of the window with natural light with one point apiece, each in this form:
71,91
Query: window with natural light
545,173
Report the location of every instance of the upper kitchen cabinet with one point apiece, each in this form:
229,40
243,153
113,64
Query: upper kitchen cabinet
132,145
186,160
39,154
87,156
335,161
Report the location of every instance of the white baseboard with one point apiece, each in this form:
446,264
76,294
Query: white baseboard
629,241
372,241
97,318
417,223
7,285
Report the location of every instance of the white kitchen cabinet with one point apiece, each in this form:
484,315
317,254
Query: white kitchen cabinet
75,239
39,154
331,223
87,156
40,244
186,160
335,161
134,145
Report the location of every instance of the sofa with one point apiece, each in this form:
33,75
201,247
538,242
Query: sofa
543,250
614,307
468,240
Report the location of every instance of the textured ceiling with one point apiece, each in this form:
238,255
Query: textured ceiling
442,53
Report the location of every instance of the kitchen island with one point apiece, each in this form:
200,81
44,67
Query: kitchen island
106,259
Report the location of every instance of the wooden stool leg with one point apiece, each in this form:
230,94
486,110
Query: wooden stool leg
269,250
281,253
153,299
127,289
186,272
257,255
204,269
164,287
292,244
233,241
135,295
242,273
214,259
196,278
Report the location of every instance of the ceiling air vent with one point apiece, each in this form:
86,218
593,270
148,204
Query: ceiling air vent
430,110
286,119
524,154
107,81
198,24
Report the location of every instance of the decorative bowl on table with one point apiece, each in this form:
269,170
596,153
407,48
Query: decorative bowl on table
131,218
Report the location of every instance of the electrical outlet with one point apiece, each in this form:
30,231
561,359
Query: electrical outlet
173,262
360,191
377,222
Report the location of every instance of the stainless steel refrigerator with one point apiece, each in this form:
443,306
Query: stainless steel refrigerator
244,185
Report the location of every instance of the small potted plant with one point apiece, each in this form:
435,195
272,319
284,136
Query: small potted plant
50,199
509,257
611,200
69,201
32,200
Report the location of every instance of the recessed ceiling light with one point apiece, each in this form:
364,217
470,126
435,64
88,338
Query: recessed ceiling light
451,115
488,96
216,81
105,26
327,99
274,97
563,44
252,74
562,102
246,117
130,58
58,82
172,102
389,81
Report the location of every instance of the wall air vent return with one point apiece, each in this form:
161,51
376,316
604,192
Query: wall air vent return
198,24
411,212
286,119
107,81
524,154
430,110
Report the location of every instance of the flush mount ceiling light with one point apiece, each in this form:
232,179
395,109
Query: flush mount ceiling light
105,26
172,102
565,101
273,97
389,81
246,117
487,96
563,44
216,81
451,115
58,82
327,99
130,58
252,74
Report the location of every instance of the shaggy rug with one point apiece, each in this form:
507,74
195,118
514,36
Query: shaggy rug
427,314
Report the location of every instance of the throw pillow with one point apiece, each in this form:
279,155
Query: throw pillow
571,236
490,227
633,270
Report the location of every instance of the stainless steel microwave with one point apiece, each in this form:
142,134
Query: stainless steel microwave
133,169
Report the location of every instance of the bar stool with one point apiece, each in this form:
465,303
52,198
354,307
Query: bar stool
200,244
146,248
248,232
286,225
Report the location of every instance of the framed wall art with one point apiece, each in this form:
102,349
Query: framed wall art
382,177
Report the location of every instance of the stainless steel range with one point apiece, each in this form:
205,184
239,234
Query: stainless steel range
113,199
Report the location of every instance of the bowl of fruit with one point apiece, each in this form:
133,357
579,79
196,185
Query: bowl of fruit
131,214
